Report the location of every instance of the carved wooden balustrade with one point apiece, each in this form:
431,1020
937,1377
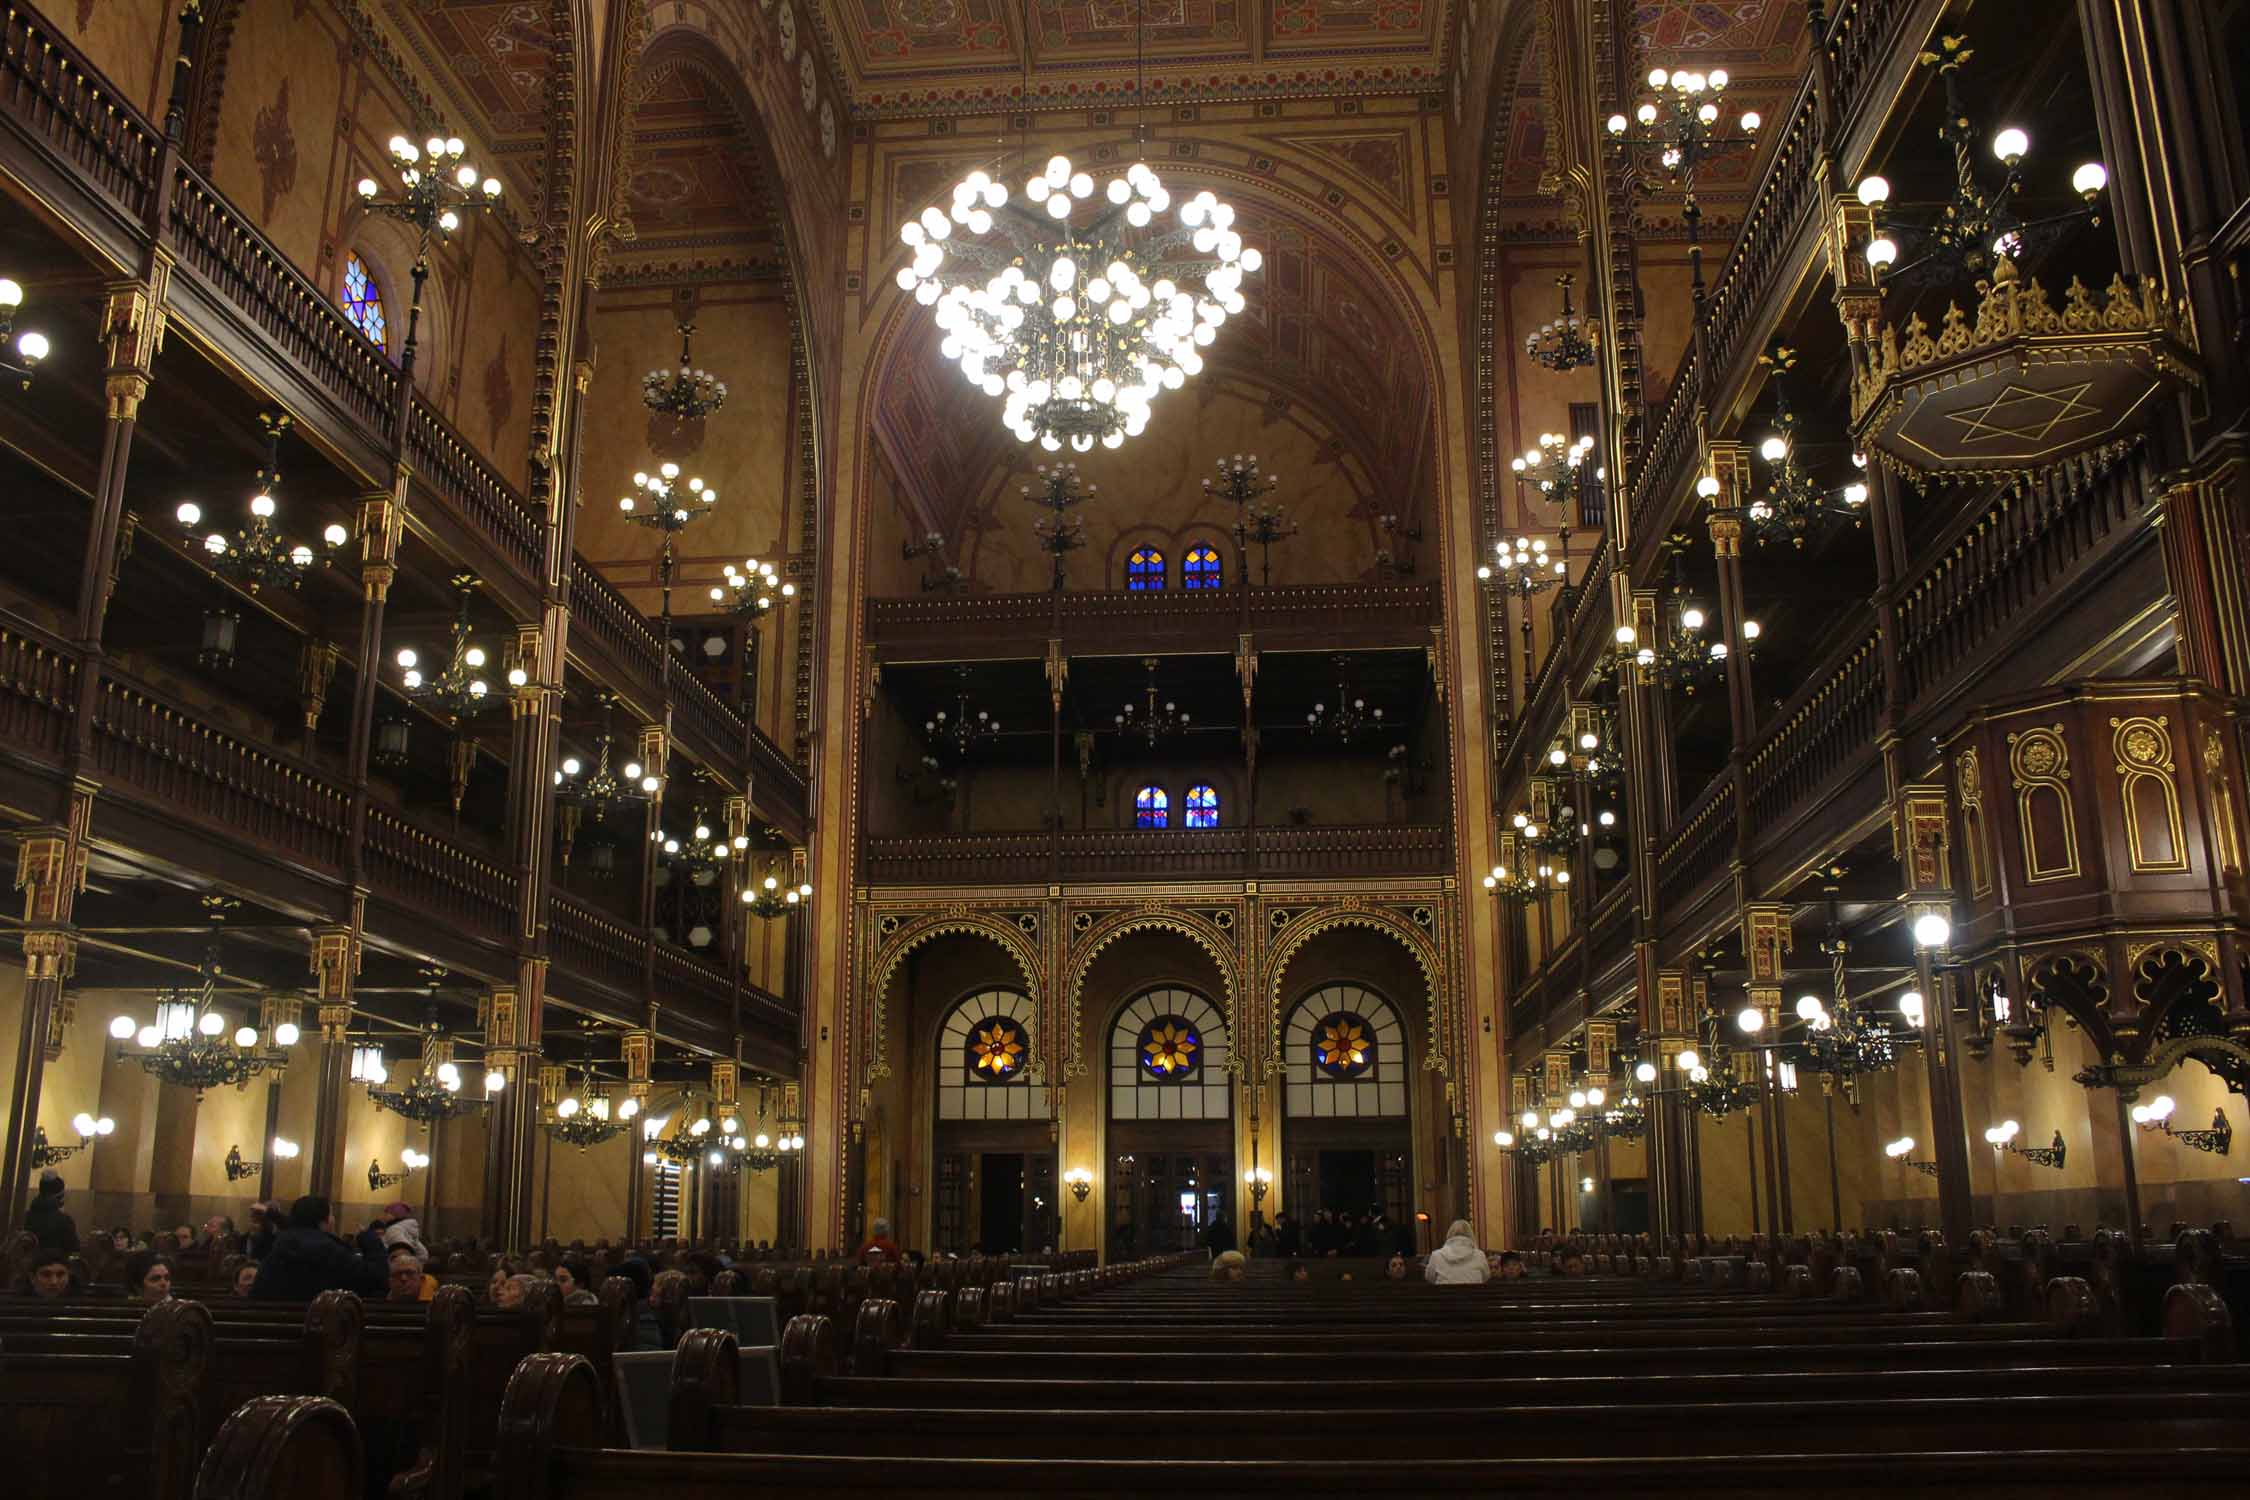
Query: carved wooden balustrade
1307,616
1176,854
1998,562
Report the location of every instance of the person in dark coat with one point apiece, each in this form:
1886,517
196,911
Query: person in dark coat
1219,1238
46,1221
307,1258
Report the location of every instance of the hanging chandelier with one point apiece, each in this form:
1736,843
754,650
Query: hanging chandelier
459,689
435,1090
1559,471
693,1139
586,1117
1350,716
1566,343
1793,503
956,733
705,849
769,898
1980,226
1152,723
31,345
189,1045
256,555
1079,320
753,591
580,791
687,392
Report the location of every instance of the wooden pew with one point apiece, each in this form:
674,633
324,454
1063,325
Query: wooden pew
553,1405
111,1412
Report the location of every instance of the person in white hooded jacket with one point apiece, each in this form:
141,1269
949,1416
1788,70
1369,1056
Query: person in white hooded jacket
1458,1260
402,1228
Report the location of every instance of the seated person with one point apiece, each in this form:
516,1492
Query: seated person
45,1276
1394,1269
409,1282
1299,1271
1229,1265
1510,1266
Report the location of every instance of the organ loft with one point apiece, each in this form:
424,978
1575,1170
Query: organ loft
731,728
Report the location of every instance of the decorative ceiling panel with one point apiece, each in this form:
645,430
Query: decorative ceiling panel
934,57
497,49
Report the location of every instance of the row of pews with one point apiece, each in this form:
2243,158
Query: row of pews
1148,1378
101,1394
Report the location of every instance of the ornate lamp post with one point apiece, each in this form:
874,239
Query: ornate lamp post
663,503
1793,504
1677,129
1059,491
438,188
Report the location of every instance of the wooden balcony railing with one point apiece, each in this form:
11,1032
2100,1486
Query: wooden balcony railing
427,872
624,632
1125,619
1994,565
221,248
595,945
1672,450
473,490
1136,854
1830,723
173,757
38,693
48,88
1701,848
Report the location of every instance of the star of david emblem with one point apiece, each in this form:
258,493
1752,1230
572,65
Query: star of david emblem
2024,414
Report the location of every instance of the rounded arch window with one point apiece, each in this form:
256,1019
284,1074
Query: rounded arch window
1202,807
361,297
1200,567
1144,568
1152,808
1169,1050
1343,1051
985,1060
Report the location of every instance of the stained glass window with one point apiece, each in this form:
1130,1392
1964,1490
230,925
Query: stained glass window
1200,568
985,1062
1343,1045
1203,807
1144,569
994,1052
1152,808
363,303
1169,1049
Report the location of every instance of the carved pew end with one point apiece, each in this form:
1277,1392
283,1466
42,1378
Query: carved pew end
280,1448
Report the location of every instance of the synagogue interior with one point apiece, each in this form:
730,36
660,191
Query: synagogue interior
734,726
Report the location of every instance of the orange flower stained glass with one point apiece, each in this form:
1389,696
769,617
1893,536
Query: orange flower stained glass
1170,1047
1343,1046
997,1047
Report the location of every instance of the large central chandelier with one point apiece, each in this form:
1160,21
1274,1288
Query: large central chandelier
1078,307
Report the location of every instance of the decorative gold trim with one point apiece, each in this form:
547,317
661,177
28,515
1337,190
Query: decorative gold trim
1299,928
2142,746
1108,930
2039,761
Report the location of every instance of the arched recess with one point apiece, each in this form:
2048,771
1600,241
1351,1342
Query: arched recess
387,247
1306,925
1167,1120
992,1169
1205,932
913,935
1348,1110
946,444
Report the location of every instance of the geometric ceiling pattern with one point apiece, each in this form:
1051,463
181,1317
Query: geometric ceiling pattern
911,57
697,187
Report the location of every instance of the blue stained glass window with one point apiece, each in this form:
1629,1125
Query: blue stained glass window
1203,807
1144,569
363,303
1200,569
1152,808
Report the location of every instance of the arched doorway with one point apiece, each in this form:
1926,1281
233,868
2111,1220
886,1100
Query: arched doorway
995,1155
1348,1130
1171,1142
